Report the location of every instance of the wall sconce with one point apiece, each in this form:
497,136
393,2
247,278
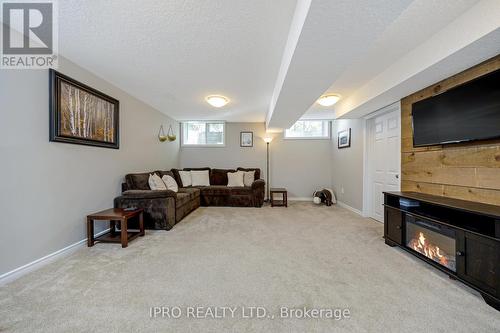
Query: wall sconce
170,134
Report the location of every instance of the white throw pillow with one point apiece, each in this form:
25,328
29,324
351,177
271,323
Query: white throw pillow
185,178
235,179
248,177
155,182
200,178
170,183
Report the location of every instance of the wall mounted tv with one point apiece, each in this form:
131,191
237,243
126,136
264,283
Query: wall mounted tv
467,112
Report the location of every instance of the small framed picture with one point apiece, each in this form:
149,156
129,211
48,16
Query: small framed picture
246,139
344,138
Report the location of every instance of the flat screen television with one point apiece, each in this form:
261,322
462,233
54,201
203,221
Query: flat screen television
467,112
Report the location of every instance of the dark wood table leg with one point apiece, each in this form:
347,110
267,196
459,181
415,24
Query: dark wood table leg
124,233
285,198
272,199
112,227
90,232
141,224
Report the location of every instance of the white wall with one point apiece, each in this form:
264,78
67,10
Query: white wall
302,166
48,188
348,163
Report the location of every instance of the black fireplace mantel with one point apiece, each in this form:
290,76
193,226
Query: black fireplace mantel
471,230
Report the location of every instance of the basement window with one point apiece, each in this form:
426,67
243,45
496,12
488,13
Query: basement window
203,134
309,129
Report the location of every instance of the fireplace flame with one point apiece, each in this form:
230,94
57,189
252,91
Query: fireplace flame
431,251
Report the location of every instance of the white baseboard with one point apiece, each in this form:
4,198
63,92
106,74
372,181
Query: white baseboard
352,209
300,199
37,264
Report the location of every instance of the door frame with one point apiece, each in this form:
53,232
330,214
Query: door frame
368,151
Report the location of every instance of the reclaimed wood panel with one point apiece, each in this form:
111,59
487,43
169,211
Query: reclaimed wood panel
458,192
469,171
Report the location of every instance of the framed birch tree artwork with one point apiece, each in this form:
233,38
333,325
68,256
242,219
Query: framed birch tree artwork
82,115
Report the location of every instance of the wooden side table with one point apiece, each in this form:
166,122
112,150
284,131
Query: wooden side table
114,215
279,203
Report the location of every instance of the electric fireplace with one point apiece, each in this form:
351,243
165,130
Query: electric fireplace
458,237
435,242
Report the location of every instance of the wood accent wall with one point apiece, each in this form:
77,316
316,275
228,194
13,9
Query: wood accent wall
469,171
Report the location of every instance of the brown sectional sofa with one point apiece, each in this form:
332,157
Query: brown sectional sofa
163,209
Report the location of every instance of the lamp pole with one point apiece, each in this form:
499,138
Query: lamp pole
267,140
267,169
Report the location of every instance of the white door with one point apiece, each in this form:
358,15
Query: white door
384,154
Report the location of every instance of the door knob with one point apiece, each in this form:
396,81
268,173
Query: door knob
460,253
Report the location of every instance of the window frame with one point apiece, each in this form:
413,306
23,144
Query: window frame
206,122
328,137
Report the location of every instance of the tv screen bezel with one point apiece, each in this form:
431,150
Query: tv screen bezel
452,141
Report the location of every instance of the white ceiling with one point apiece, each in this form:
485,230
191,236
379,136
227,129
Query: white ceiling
415,25
274,58
171,54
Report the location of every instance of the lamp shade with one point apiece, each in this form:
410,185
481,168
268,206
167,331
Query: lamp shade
268,139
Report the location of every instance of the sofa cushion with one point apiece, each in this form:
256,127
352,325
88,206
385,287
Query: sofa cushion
185,178
241,191
248,177
192,191
177,177
235,179
219,176
137,181
156,183
200,178
147,194
182,199
257,171
170,183
215,190
197,169
162,173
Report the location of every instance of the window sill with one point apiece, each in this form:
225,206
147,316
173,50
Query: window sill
203,146
307,138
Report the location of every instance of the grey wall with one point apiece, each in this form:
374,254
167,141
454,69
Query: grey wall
348,163
48,188
232,155
301,166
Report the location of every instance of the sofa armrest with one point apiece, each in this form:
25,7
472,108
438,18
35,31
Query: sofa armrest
258,189
159,206
148,194
259,183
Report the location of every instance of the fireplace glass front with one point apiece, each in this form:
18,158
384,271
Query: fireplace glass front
434,241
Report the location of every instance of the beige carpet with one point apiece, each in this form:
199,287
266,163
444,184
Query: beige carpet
303,256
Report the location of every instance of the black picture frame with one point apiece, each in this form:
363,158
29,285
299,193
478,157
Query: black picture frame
344,139
55,116
242,139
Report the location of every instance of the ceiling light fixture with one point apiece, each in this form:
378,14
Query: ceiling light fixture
217,101
328,100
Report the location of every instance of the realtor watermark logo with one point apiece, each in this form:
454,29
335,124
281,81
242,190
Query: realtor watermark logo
29,34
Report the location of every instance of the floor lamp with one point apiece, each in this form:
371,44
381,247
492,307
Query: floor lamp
267,140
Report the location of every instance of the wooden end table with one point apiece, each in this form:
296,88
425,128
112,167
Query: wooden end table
279,203
114,215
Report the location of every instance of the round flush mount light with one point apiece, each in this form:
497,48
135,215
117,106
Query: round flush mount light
328,100
217,101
